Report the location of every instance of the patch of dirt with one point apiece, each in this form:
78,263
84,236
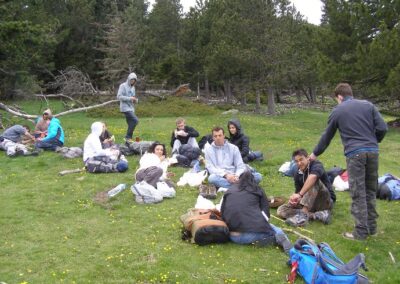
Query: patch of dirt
101,198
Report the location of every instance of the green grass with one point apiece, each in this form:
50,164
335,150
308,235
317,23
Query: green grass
52,232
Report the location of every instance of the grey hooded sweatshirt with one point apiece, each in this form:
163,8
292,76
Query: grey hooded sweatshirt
125,93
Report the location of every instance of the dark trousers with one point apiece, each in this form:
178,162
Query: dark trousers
132,121
51,144
363,183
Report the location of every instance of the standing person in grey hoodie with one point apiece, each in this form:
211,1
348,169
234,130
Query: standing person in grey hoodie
361,128
127,97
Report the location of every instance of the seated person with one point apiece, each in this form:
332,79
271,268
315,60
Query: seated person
10,141
182,135
154,165
99,160
106,138
224,162
246,212
313,198
43,124
236,137
54,137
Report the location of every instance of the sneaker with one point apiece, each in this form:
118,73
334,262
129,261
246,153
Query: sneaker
203,190
223,189
351,236
324,216
284,242
122,158
212,191
298,220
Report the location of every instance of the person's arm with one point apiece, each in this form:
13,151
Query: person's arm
309,183
51,131
326,137
264,203
245,146
380,125
173,138
121,95
191,131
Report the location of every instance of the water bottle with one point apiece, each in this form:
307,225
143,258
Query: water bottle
116,190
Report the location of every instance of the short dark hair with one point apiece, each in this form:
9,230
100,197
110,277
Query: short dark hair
26,127
299,152
343,89
153,146
217,128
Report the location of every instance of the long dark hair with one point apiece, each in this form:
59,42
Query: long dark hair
154,145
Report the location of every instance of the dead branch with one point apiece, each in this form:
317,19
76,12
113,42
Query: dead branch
58,96
67,172
17,113
85,108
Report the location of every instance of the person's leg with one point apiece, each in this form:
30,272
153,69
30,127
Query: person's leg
99,165
281,238
257,176
218,181
175,147
286,210
252,238
9,146
317,198
50,145
150,175
356,170
132,121
371,183
192,142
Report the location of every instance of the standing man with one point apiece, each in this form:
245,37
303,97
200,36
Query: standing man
183,134
127,97
361,128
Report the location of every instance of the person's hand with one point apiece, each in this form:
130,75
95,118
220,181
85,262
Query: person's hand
162,158
294,199
170,174
232,178
181,133
134,99
312,157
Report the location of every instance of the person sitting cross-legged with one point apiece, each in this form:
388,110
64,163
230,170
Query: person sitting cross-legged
182,135
54,137
313,198
224,162
99,160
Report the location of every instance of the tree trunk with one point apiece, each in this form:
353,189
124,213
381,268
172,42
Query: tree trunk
258,102
228,91
271,101
298,95
207,87
278,97
313,94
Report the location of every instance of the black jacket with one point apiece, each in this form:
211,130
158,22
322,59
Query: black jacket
239,139
242,205
191,133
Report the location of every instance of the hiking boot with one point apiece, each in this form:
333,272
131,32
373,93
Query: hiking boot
298,220
351,236
324,216
203,190
128,141
284,242
212,191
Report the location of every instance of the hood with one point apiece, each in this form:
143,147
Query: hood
130,77
237,125
97,128
48,111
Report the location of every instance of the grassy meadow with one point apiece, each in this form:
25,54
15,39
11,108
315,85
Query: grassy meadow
53,232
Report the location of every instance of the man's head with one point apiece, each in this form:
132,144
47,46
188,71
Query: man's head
343,91
218,135
180,123
27,128
300,156
47,114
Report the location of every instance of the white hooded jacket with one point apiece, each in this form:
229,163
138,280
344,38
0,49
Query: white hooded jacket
92,146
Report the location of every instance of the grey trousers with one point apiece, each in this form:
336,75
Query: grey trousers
316,199
151,175
363,183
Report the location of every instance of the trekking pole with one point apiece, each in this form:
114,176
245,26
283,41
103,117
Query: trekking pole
67,172
298,234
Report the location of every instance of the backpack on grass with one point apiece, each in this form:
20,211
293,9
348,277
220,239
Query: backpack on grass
319,264
135,148
204,227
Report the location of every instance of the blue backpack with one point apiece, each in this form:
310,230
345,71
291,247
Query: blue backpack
319,264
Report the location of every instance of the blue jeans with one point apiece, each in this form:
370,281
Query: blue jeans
50,145
250,238
132,121
219,181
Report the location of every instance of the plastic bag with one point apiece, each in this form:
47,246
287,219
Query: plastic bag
165,189
204,203
146,193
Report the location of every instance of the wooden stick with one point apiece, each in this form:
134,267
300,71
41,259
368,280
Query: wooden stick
67,172
392,257
301,229
298,234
